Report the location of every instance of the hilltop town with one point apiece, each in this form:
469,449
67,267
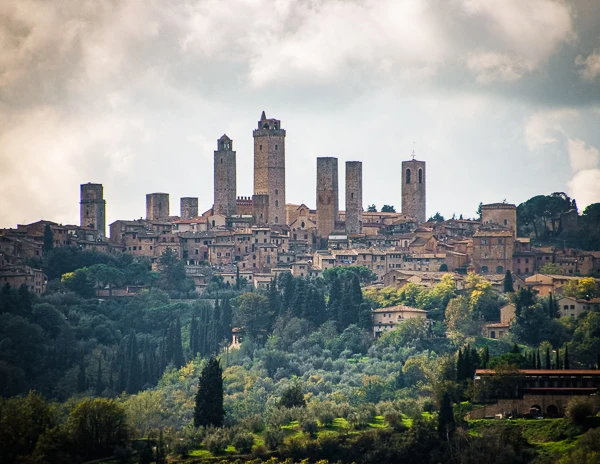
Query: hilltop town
259,237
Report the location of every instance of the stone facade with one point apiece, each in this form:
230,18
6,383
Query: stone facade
493,250
260,209
503,214
93,208
327,195
157,206
225,178
189,207
269,166
413,190
353,197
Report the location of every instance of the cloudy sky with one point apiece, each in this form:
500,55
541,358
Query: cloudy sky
502,98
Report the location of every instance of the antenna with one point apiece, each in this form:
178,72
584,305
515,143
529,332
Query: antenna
413,152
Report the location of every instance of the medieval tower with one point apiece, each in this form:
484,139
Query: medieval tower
413,189
92,209
353,197
225,177
327,195
157,206
188,207
269,167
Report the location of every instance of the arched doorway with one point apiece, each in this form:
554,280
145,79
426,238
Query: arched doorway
552,411
535,410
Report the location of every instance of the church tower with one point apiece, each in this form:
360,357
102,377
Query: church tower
413,189
225,177
269,166
92,208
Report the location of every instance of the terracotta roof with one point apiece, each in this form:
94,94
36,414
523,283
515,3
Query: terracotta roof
399,309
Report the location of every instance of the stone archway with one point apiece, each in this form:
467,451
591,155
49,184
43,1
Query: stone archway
535,409
552,411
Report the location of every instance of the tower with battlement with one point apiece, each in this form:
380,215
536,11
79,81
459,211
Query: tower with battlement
157,206
353,197
225,177
269,167
92,208
413,189
327,195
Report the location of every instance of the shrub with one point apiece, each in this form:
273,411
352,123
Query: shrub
309,426
253,423
273,437
181,448
578,409
216,441
243,441
328,443
394,419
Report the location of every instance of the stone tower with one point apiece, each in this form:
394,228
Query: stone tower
93,208
353,197
225,177
157,206
188,207
269,166
327,195
260,209
413,189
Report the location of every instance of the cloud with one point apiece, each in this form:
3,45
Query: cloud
495,67
546,127
585,187
582,156
589,68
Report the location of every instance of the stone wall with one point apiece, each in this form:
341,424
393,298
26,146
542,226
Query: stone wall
260,208
327,195
503,214
413,190
354,197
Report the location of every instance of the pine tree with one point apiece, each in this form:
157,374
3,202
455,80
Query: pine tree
209,398
508,283
566,360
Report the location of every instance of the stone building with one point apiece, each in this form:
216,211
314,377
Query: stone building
157,206
327,195
502,214
260,209
353,197
387,319
16,275
413,189
188,207
493,250
92,210
269,166
225,178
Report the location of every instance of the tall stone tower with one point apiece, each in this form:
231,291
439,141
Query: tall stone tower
269,166
92,208
413,189
188,207
327,195
353,197
157,206
225,177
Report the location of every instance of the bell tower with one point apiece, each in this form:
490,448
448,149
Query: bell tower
413,189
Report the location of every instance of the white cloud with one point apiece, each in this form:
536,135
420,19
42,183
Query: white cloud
589,68
545,127
585,187
582,156
491,67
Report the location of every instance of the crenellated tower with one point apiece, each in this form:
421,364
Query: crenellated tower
269,166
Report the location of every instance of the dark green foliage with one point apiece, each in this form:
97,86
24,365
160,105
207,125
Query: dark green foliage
578,410
437,217
566,364
273,437
242,442
388,209
508,282
209,398
293,397
48,239
446,425
372,209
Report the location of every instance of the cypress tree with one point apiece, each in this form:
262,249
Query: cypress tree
133,375
81,380
299,300
538,360
460,367
178,358
209,398
274,300
557,360
446,424
48,239
508,283
335,299
227,320
99,382
548,367
515,349
193,337
566,360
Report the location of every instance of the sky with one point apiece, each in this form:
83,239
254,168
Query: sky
501,99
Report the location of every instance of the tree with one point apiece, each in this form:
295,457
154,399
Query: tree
479,211
209,409
550,269
292,397
251,311
48,239
437,217
388,209
446,424
372,209
508,282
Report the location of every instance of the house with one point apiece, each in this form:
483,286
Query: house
387,319
500,329
573,307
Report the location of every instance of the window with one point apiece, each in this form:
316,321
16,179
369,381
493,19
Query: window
276,203
484,241
526,270
221,160
499,270
408,176
505,222
276,147
276,220
420,176
499,241
484,269
260,147
276,190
